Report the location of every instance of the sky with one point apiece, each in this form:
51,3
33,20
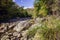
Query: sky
25,3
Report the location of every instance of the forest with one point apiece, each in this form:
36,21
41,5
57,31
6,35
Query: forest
9,9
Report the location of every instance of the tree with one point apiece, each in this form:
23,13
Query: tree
9,9
56,7
4,5
44,7
40,8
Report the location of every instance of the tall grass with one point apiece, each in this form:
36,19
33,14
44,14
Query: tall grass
49,30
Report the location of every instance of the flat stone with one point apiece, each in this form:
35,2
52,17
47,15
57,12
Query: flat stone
4,37
16,34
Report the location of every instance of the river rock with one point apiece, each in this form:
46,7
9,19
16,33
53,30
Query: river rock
22,25
3,28
16,34
5,37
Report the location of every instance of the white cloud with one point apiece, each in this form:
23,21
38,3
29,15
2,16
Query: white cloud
25,7
13,0
28,7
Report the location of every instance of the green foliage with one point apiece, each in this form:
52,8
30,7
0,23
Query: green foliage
44,7
49,30
8,10
40,8
45,33
43,11
32,32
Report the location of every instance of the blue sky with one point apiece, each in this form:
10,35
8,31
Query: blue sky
25,3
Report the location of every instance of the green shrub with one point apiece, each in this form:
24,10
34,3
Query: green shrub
49,30
32,32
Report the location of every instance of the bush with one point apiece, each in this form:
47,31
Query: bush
49,30
43,11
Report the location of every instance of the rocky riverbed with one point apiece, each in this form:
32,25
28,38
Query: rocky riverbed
15,30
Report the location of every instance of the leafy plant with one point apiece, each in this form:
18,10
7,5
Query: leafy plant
49,30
